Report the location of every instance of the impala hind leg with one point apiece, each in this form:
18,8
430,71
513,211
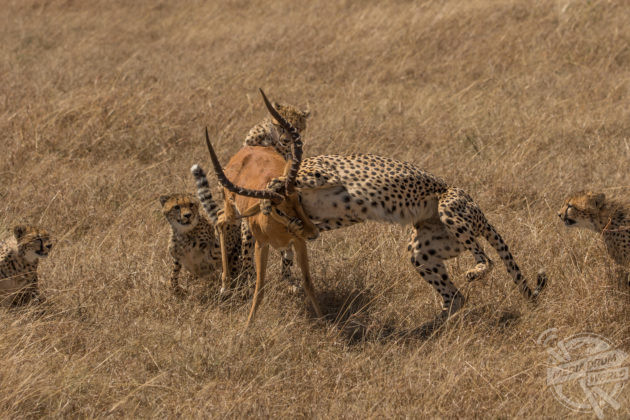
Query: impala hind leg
261,255
430,246
302,258
460,216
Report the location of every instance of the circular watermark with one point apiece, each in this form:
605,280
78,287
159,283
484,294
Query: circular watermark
586,373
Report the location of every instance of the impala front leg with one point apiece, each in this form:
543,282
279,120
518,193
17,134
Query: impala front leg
261,254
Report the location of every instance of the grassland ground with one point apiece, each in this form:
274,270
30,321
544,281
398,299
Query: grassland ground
102,109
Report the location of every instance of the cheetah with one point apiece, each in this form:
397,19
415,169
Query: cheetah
593,211
194,241
270,132
19,258
338,191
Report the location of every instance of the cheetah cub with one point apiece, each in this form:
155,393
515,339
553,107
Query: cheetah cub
612,219
194,243
19,257
269,132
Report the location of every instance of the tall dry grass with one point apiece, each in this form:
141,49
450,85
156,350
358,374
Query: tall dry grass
102,106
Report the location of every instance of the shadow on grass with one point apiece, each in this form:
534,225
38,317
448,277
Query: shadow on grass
353,315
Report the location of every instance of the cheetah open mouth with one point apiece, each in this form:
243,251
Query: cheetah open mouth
42,253
185,223
569,222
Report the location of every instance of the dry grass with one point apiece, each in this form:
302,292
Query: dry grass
102,106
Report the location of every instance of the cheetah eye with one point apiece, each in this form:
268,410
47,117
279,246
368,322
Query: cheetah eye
176,207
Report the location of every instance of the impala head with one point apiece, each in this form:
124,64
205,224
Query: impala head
580,210
181,211
32,242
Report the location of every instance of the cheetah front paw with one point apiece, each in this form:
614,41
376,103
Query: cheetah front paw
179,292
296,227
221,220
479,272
225,292
474,275
295,289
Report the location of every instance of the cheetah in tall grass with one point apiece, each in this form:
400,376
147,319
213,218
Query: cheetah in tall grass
593,211
19,258
194,242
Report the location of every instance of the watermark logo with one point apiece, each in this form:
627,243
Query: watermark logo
585,372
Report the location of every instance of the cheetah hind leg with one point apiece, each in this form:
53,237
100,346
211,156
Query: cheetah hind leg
460,214
622,275
431,245
287,262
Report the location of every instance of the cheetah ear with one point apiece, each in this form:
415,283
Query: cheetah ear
19,231
599,199
306,113
164,199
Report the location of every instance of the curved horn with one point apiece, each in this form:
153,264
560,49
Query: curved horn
227,184
296,146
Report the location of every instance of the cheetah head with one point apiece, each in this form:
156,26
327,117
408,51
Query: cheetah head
32,242
296,117
582,209
181,211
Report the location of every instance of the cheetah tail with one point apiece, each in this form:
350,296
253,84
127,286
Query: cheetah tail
204,194
493,237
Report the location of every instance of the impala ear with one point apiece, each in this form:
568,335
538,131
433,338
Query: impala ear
253,210
164,199
19,231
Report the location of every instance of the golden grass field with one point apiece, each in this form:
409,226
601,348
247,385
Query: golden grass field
102,109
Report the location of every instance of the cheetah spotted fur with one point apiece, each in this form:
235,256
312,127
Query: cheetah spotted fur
593,211
339,191
19,258
194,242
